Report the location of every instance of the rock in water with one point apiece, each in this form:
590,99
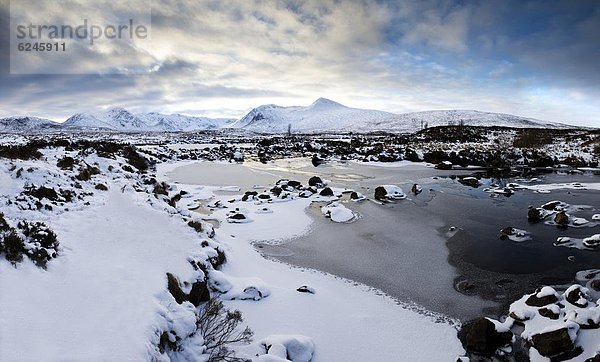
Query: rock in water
480,336
316,161
326,192
444,165
389,193
533,215
561,219
416,189
315,181
577,296
592,242
470,181
380,193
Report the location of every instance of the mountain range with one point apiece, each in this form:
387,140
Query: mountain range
323,115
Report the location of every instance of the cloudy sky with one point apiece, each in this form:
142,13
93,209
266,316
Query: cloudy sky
221,58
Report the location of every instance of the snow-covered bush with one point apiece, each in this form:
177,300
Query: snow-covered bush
41,243
219,328
12,247
33,239
66,163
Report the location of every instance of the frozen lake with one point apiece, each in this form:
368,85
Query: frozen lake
405,249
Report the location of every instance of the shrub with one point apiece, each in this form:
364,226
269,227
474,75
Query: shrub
26,152
532,138
86,173
161,188
218,326
196,225
66,163
127,168
13,247
41,192
135,159
38,232
101,187
43,242
4,227
48,193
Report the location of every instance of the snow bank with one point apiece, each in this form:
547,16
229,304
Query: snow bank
98,299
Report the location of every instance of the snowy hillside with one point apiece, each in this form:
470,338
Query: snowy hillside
322,115
179,122
26,124
410,122
328,116
119,119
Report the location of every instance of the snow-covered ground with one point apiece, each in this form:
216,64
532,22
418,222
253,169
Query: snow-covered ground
104,296
97,300
342,317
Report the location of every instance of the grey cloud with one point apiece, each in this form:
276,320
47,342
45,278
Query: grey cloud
225,56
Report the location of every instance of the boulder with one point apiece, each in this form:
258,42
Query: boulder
552,343
326,192
380,193
592,241
444,165
577,296
506,232
315,181
175,289
276,190
389,192
355,196
548,313
237,217
316,161
199,293
101,187
306,289
551,205
470,181
294,184
481,337
416,189
248,195
534,215
465,286
561,219
542,298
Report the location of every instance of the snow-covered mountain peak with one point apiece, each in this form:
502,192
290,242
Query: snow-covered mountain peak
322,116
324,103
26,124
325,115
